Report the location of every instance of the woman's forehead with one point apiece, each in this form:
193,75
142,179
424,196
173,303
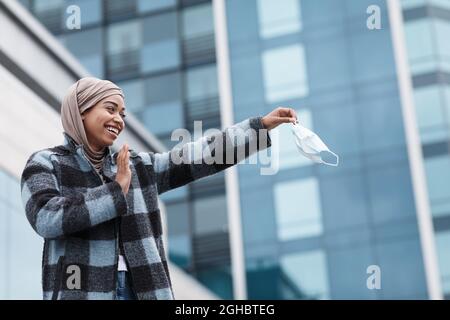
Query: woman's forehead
115,99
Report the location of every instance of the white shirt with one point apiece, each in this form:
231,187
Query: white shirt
122,266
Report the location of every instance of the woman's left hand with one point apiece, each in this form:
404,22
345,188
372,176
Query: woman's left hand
278,116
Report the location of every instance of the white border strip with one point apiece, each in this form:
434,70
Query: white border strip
231,175
415,156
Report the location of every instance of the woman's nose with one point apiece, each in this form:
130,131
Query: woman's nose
120,122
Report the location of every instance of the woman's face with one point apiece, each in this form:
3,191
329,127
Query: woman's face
102,120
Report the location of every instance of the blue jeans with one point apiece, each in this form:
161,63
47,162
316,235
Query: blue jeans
124,290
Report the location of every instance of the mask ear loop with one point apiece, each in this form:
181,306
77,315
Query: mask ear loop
332,164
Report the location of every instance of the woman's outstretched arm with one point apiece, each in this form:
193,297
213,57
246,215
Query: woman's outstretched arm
216,152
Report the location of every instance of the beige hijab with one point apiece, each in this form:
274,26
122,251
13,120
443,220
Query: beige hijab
82,95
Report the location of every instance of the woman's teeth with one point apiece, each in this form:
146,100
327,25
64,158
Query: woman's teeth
113,130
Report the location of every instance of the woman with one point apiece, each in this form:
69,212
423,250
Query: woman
98,211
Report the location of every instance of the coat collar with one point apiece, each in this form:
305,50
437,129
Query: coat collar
70,145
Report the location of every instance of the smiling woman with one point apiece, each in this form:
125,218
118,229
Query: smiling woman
89,107
104,122
98,211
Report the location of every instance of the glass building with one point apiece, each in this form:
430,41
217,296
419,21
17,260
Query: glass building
427,25
309,231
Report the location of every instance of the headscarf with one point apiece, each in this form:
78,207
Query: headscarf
82,95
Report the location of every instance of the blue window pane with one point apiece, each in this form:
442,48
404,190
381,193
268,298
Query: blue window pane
276,20
217,279
437,170
201,83
391,193
134,94
94,64
153,5
408,4
124,36
87,46
160,43
174,194
442,242
179,239
163,117
298,209
439,3
210,215
197,21
285,74
431,113
442,28
429,106
344,202
159,56
307,273
163,89
419,43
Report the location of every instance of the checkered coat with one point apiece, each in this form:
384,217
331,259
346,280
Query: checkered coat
81,217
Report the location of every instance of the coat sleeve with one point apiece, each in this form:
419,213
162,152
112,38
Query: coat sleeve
53,215
208,155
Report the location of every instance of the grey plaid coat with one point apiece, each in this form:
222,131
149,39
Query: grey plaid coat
80,217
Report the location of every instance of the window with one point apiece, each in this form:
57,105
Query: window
408,4
197,21
442,241
210,215
133,91
298,209
442,28
289,156
285,74
438,180
276,20
163,118
430,114
45,5
304,275
439,3
160,50
50,13
419,43
202,97
163,103
201,83
198,35
124,43
154,5
178,233
87,46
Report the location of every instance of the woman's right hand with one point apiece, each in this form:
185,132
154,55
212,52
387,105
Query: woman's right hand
123,176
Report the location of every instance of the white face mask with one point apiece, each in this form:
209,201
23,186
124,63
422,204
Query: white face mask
311,146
